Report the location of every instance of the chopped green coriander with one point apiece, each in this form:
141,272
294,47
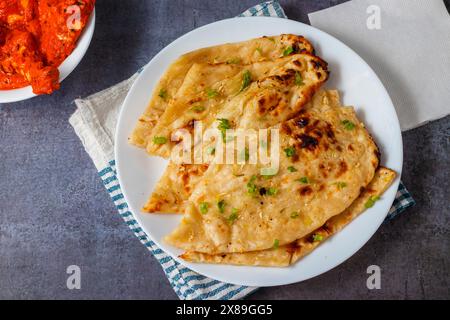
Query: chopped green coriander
234,210
294,215
211,150
317,237
290,152
233,216
204,207
234,61
211,93
245,154
163,94
287,51
304,180
198,108
371,201
246,80
348,125
251,186
221,206
341,185
276,244
298,79
272,191
224,125
159,140
263,144
291,169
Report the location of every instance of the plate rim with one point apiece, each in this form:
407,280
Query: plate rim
86,36
192,266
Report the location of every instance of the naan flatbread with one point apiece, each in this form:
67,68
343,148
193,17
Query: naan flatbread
172,192
236,214
242,53
291,253
333,156
279,89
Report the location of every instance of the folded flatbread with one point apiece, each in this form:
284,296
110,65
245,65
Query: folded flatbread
255,96
172,192
242,53
290,253
333,157
328,171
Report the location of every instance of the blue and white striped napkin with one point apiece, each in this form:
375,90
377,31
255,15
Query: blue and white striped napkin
94,122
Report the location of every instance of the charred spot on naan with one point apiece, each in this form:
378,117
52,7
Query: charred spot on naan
156,205
309,135
343,167
187,172
174,188
271,103
275,102
299,44
305,191
189,126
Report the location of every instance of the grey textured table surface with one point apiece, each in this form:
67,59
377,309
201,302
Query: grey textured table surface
55,212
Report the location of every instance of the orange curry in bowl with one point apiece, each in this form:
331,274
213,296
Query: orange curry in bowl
36,36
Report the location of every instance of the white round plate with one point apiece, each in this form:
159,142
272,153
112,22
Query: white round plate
65,68
359,87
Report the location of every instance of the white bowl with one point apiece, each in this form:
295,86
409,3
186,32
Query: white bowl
68,65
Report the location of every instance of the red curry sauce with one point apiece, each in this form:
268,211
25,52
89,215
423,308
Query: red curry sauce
36,36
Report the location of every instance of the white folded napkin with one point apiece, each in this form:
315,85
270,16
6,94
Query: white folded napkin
407,43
